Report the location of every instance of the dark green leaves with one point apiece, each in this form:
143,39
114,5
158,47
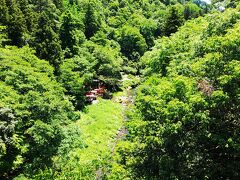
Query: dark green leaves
34,110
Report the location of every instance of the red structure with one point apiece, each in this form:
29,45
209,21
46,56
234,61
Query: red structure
93,94
90,96
100,90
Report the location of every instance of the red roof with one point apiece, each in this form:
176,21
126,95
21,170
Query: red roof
91,95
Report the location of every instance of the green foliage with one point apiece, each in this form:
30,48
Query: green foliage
225,3
93,62
71,34
84,40
108,63
37,23
3,35
133,45
77,160
75,73
3,12
92,18
33,112
47,41
174,19
58,4
16,24
191,11
186,122
147,27
34,23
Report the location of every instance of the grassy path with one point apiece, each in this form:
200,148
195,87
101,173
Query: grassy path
100,124
102,129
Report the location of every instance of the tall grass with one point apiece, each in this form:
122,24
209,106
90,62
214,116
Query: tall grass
99,124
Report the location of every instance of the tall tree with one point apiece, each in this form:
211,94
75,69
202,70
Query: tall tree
30,15
16,24
92,19
174,19
133,44
47,42
191,11
3,12
71,34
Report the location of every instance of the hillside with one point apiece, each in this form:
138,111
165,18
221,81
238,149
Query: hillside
186,124
169,76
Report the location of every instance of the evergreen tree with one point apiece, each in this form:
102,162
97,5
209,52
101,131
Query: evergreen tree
3,12
174,19
16,24
30,15
3,35
71,34
47,42
92,19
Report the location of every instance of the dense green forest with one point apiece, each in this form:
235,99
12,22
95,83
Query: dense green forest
171,109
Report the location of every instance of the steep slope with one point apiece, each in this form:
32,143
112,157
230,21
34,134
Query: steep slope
33,112
186,124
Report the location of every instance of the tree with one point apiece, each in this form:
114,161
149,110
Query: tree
30,16
108,65
133,45
92,19
16,25
3,35
47,42
174,19
148,27
58,4
71,35
3,12
191,11
9,145
33,112
185,122
75,73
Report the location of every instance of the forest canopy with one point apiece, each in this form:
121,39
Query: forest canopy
186,124
178,59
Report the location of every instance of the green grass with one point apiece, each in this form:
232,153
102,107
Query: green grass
99,126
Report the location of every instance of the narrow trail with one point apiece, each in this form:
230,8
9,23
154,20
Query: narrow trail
99,124
126,99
